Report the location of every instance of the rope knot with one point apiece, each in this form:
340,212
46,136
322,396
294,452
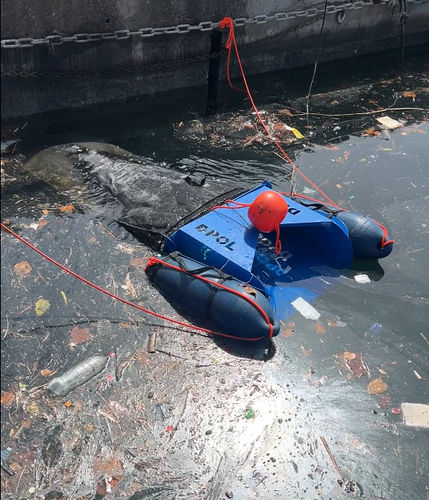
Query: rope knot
226,22
152,261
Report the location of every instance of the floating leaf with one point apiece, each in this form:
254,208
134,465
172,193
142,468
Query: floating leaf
64,296
377,386
409,93
7,398
371,131
285,112
67,208
320,329
297,133
287,332
42,223
79,335
22,268
68,404
47,373
42,306
250,290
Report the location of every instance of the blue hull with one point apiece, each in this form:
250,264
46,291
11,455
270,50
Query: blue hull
314,250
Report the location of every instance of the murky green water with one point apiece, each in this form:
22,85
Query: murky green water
305,391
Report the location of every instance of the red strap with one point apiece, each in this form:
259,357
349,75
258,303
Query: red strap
155,260
120,299
385,234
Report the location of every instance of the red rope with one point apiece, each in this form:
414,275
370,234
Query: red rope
237,203
155,260
120,299
313,199
383,240
227,22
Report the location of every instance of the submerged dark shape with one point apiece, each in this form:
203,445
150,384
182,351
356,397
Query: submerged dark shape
148,199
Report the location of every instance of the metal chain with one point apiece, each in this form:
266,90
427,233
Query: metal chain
112,70
125,34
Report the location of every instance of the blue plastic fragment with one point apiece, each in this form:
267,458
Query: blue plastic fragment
376,327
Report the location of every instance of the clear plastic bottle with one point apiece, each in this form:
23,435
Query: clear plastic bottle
77,375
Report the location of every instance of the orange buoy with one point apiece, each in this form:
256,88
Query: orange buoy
267,211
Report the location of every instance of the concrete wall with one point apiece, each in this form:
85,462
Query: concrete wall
72,74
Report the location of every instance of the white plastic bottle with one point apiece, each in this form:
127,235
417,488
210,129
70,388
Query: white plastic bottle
77,375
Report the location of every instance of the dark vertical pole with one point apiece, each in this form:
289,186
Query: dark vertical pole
214,65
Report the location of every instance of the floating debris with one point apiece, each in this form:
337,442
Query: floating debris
389,123
249,413
415,415
376,327
42,306
362,278
306,309
353,363
377,386
77,375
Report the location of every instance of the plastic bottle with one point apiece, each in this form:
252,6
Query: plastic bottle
77,375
